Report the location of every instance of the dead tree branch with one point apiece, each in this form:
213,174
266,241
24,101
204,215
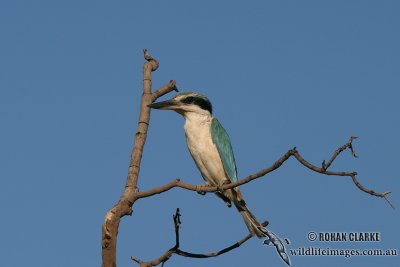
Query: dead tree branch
124,205
349,144
291,153
175,249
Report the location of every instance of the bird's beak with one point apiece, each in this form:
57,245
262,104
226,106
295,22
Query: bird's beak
168,104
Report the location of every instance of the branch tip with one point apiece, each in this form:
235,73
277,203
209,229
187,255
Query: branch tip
388,201
177,219
350,145
323,165
150,59
173,85
386,193
136,260
146,55
165,89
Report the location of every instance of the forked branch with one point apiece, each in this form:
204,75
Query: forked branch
292,152
175,249
124,206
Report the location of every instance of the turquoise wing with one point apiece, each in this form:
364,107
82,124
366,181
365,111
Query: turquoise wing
223,144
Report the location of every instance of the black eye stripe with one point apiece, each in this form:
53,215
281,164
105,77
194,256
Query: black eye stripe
202,103
189,99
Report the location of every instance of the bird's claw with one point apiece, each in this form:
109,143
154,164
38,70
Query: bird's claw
221,184
200,189
226,181
219,189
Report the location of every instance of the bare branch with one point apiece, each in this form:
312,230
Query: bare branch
292,152
215,254
177,224
165,89
349,144
124,205
372,192
153,62
175,249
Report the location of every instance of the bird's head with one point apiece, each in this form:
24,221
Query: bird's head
185,102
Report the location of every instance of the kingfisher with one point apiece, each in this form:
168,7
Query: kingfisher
211,150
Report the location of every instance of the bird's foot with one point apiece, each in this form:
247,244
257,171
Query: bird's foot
200,189
221,184
228,204
226,181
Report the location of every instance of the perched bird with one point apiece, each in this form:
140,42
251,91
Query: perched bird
211,149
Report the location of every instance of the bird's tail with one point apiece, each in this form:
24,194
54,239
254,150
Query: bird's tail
252,224
250,220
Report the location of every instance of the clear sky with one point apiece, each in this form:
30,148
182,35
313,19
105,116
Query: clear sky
279,74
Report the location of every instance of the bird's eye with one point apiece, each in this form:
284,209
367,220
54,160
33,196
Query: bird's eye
189,99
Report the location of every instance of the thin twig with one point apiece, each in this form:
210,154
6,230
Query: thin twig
349,144
165,89
151,60
177,224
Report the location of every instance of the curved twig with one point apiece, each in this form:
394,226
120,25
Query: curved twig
175,249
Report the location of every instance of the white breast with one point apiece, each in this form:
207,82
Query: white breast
202,148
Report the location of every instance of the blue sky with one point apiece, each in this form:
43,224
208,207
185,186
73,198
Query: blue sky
279,73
